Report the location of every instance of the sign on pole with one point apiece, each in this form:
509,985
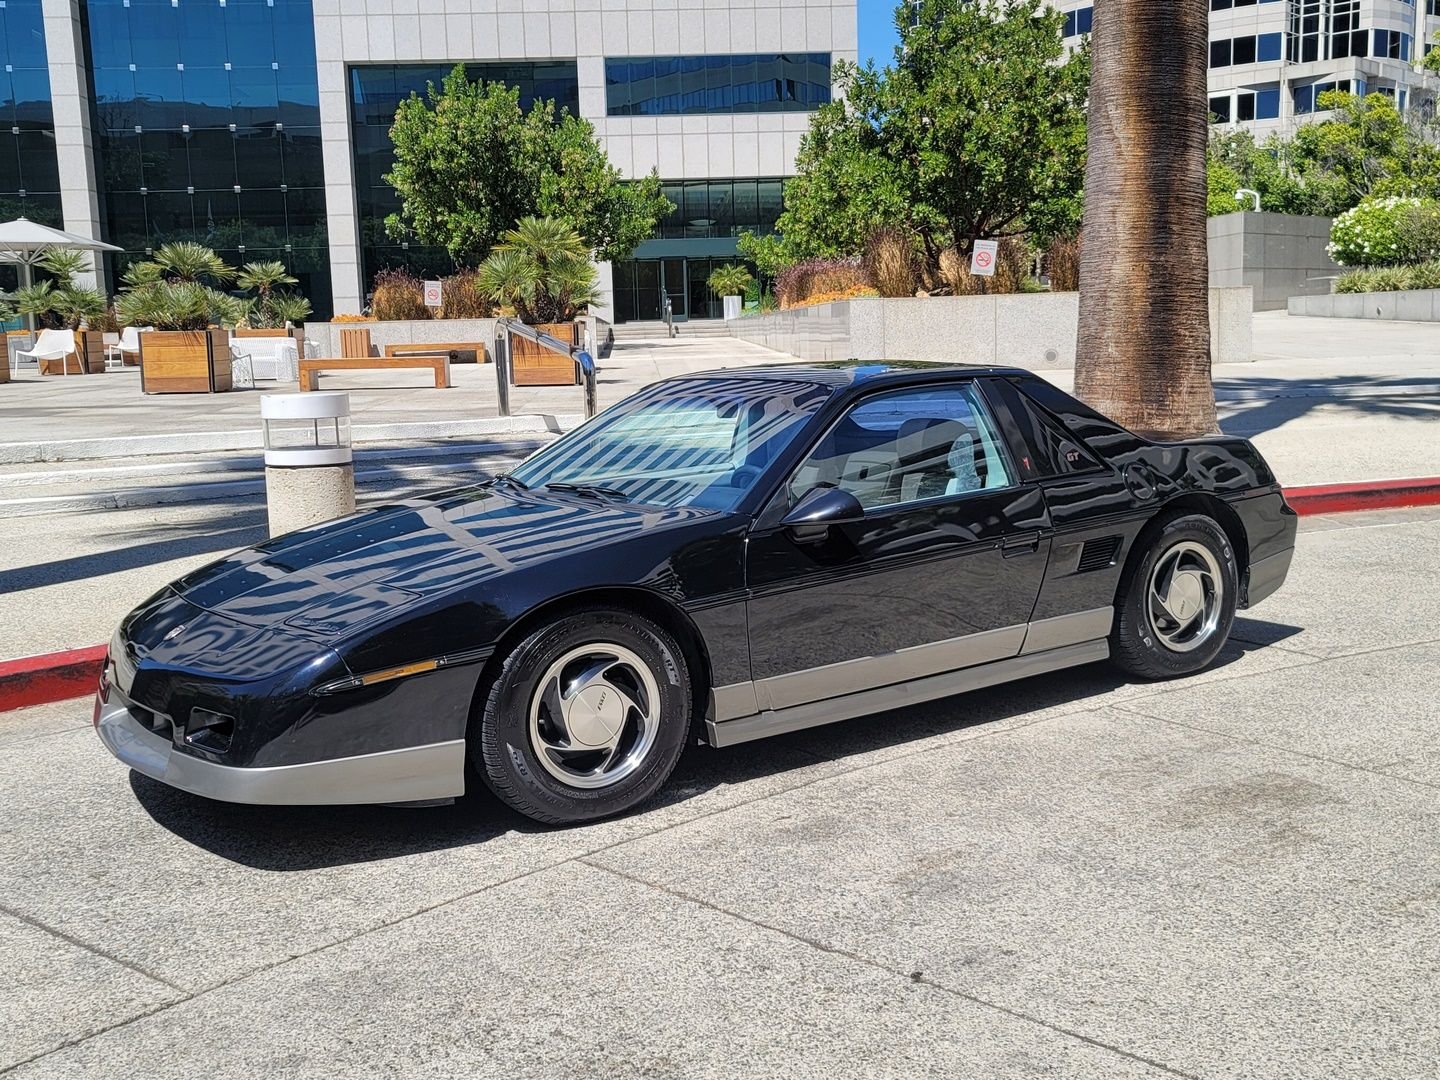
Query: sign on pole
982,259
432,294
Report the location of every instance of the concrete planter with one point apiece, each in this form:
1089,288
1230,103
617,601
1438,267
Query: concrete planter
185,361
1029,330
1414,305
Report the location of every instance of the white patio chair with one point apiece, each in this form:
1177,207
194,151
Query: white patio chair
130,341
114,358
275,359
51,345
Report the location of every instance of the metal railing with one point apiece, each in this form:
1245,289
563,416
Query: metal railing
667,312
506,328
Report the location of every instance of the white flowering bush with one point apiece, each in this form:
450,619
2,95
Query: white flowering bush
1391,231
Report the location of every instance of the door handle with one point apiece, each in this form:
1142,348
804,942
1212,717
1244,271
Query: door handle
1019,545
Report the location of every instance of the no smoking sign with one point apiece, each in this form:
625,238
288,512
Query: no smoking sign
982,258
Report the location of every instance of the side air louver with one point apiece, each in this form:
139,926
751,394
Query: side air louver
1098,554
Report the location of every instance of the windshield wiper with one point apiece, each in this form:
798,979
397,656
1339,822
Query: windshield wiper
596,490
508,478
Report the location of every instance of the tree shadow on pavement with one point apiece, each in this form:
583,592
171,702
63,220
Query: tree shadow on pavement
307,838
1251,406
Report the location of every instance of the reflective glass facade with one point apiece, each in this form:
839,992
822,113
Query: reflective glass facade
207,127
375,92
29,176
706,208
750,83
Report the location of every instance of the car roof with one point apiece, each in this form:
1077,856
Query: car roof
841,374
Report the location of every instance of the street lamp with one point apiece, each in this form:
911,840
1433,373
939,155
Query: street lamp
1248,193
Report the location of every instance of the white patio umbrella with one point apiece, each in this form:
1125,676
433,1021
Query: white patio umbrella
25,242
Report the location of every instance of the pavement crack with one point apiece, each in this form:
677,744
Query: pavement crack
70,939
907,976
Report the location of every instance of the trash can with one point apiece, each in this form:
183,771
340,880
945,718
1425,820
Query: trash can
309,467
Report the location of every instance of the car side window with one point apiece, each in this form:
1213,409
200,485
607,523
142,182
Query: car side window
906,446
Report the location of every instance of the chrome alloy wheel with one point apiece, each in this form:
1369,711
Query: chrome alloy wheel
1185,596
594,715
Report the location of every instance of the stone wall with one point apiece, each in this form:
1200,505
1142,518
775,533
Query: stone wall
1029,330
420,331
1277,255
1416,305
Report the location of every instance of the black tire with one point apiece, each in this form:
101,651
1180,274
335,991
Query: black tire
1139,644
504,748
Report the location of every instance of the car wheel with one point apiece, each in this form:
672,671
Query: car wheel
586,717
1177,603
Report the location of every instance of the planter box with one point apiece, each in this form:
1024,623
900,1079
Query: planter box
185,361
90,344
4,358
68,366
535,365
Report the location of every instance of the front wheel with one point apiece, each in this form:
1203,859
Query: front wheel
1177,603
586,718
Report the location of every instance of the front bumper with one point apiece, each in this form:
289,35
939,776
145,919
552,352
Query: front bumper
411,774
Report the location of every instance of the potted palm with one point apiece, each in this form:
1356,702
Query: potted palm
729,282
273,311
543,272
64,304
187,349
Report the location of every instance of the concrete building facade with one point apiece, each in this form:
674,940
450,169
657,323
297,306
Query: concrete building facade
260,126
1271,59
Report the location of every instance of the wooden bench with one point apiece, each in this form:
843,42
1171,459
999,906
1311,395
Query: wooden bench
310,369
422,348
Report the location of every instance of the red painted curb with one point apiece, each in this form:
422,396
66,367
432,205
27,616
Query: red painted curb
1365,495
39,680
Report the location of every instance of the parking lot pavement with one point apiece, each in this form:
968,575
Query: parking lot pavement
1234,875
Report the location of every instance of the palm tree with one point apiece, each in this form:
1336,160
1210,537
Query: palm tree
1143,355
542,269
187,261
264,278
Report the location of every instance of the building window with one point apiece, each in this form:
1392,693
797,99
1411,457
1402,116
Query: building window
208,129
1220,109
1267,104
1269,47
1245,106
681,85
1392,45
29,173
1246,50
375,93
1079,21
714,208
1307,98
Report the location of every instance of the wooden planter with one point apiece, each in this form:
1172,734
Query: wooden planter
535,365
70,365
185,361
4,358
90,346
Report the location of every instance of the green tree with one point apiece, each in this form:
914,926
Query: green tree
470,163
1234,160
976,131
1432,58
732,279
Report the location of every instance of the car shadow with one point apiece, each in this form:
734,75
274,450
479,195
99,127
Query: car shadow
289,838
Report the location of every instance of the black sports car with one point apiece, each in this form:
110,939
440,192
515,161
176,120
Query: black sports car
720,557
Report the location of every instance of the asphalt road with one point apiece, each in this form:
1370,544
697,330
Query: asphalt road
1234,875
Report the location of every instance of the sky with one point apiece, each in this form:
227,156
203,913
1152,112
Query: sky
877,30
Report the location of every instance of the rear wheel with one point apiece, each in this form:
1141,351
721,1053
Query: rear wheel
1178,602
586,718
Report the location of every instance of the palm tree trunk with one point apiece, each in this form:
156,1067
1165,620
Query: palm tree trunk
1143,355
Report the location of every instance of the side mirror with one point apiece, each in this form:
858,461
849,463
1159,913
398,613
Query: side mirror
819,509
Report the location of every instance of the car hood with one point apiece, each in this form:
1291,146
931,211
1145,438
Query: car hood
331,579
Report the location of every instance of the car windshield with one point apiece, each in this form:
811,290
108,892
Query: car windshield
699,442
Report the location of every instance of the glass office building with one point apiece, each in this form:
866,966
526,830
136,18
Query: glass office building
260,127
1270,60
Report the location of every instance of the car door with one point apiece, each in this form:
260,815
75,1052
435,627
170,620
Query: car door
941,573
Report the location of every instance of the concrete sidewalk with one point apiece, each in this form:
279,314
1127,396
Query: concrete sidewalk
1224,877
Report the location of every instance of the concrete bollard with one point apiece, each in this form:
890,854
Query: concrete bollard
309,469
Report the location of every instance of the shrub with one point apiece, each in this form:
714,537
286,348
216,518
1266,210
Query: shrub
857,292
352,318
889,262
1012,271
796,283
1424,275
1062,263
1385,232
460,297
732,279
542,271
398,294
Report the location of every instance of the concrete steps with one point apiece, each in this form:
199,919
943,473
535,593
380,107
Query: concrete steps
657,331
